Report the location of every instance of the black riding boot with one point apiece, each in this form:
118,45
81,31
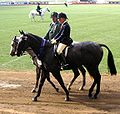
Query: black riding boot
39,13
64,65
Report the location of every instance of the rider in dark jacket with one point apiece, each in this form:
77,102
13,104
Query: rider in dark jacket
63,37
54,27
38,9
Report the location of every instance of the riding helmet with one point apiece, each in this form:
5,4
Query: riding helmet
62,15
54,14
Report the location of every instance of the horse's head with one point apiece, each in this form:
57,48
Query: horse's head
19,44
24,41
14,45
22,44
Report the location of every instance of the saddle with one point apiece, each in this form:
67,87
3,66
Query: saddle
65,51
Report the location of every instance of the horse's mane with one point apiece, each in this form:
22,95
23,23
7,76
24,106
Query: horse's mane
34,36
39,39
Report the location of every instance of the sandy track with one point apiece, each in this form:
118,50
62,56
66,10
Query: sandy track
16,99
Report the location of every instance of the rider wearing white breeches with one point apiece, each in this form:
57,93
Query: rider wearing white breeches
63,37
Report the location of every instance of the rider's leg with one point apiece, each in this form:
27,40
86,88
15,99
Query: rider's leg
61,56
39,12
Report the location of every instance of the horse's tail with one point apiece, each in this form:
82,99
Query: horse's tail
110,61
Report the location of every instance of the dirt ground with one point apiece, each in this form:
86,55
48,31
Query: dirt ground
15,95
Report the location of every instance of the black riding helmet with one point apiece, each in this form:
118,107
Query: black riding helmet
54,14
62,15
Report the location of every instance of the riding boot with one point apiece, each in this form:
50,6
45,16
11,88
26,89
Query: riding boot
64,64
39,13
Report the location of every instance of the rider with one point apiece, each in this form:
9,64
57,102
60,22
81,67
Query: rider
54,27
63,37
38,8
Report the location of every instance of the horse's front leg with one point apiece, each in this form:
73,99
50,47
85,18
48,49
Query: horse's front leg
42,80
38,71
57,75
48,79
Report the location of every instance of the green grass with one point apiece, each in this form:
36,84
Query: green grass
99,23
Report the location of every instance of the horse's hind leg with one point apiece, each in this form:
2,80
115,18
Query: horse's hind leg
76,74
42,17
83,71
48,79
97,77
38,71
58,77
33,18
98,80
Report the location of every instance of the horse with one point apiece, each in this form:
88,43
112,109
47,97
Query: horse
13,51
34,13
88,54
38,69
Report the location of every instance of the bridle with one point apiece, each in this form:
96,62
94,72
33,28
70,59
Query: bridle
14,45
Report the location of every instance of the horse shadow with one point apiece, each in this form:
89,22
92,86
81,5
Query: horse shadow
107,101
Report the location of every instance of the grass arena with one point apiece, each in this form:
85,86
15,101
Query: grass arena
99,23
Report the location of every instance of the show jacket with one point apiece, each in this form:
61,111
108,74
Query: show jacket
53,30
64,35
38,8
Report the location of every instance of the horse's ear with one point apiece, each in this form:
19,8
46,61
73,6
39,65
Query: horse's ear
22,32
15,37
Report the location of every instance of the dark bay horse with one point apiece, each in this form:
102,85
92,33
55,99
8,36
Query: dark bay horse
13,51
87,54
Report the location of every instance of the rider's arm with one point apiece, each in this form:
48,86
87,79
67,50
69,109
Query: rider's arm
60,34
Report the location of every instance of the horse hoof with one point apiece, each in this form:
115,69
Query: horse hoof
34,99
90,96
81,89
95,97
33,91
67,99
68,88
57,89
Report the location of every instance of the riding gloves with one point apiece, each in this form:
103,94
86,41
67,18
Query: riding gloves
53,41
